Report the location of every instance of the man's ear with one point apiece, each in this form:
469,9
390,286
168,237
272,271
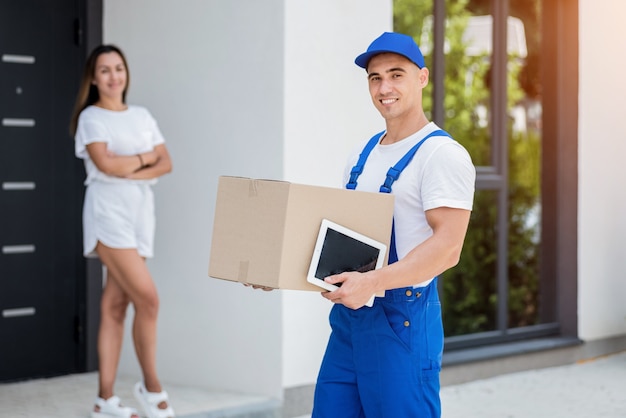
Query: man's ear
423,77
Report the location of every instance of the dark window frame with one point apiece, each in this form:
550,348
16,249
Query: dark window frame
560,76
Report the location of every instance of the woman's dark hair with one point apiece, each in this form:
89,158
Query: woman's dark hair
88,92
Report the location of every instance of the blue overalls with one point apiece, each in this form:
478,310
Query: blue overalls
384,361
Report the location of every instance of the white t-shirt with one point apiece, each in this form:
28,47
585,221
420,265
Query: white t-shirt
128,132
441,174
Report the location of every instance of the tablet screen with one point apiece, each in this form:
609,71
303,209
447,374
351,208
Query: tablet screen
341,253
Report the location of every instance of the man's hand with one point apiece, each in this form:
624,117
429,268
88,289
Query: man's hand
254,286
355,291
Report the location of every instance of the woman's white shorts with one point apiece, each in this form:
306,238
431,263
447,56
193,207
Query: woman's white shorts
119,216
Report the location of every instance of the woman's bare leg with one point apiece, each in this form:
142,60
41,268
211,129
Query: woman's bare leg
131,274
113,308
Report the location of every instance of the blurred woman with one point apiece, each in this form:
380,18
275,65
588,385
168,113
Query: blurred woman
124,154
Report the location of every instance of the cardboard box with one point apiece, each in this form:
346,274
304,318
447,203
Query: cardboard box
264,231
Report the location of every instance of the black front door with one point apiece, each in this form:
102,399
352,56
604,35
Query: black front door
42,272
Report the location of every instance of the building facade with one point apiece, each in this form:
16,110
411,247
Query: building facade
269,90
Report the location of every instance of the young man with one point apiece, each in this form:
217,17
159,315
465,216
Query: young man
384,361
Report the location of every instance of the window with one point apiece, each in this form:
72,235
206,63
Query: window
487,89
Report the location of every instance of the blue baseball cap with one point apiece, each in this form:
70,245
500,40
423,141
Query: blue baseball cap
393,42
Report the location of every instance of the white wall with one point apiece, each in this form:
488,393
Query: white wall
260,89
602,149
211,73
328,111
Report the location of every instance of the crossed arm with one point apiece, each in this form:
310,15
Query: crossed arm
146,165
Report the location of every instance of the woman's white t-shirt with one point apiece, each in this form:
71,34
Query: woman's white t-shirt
128,132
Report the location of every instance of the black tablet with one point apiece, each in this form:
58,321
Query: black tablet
339,249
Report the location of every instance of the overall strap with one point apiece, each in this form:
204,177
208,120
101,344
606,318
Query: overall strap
358,168
392,175
394,172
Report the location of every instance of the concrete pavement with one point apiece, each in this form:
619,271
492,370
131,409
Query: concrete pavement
590,389
72,397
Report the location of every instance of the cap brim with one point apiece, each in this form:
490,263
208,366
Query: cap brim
363,59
